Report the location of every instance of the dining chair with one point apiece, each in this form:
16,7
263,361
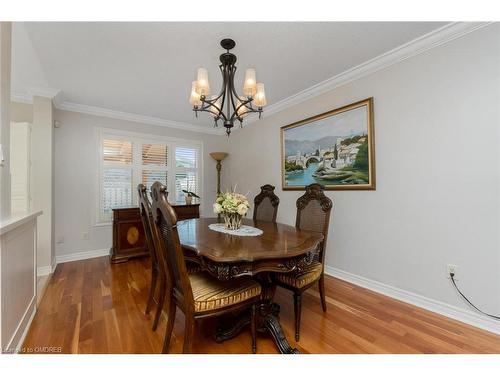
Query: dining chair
266,204
198,295
313,213
157,272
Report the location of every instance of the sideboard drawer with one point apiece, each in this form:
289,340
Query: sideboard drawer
123,214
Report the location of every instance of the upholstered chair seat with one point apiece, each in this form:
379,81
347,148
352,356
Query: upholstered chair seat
211,294
301,278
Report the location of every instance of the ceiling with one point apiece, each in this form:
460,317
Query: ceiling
147,68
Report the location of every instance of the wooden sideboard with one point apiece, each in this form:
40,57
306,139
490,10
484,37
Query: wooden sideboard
129,240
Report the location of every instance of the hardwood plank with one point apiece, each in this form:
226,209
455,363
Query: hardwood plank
91,306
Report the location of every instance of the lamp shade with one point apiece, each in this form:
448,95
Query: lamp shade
250,83
203,86
194,98
218,156
260,97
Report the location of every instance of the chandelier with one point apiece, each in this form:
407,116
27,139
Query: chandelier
228,106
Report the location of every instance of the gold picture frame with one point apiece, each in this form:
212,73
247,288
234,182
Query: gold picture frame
335,149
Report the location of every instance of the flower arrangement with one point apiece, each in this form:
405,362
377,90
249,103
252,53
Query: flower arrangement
233,206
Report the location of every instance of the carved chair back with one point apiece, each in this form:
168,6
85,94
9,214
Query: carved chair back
313,213
147,222
266,204
169,244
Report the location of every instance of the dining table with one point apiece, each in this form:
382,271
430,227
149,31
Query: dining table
277,248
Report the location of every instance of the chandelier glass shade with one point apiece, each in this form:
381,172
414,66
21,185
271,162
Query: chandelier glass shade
228,106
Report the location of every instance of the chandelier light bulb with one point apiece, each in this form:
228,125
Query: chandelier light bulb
203,85
250,83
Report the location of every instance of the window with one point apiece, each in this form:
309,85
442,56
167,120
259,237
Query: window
127,159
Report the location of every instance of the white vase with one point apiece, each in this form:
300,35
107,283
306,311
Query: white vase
189,200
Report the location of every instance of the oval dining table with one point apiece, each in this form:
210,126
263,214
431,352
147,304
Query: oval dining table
280,248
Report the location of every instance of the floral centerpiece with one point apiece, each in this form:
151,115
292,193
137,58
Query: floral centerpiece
233,206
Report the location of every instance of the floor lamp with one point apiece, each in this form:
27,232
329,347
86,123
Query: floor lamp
218,157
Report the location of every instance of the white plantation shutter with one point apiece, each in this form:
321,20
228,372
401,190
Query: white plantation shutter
116,176
149,177
186,172
117,151
128,159
185,181
116,190
154,158
186,157
155,154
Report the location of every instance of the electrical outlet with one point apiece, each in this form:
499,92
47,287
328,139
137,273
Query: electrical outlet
452,268
85,235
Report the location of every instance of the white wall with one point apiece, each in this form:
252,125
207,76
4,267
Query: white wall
5,68
76,168
437,166
21,112
42,158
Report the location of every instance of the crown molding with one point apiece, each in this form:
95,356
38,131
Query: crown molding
149,120
45,92
29,94
55,95
417,46
19,97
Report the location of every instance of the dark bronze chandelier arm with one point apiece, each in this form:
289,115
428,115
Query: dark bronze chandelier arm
209,104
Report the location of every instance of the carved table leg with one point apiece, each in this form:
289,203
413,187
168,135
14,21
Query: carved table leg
274,327
268,319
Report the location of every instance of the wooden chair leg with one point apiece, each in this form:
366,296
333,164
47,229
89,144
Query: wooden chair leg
253,324
321,285
297,304
161,302
152,289
172,308
188,334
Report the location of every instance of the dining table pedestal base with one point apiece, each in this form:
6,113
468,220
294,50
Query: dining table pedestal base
267,319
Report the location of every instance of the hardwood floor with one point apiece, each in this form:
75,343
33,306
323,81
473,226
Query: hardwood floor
91,306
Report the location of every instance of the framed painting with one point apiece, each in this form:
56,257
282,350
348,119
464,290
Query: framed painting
335,149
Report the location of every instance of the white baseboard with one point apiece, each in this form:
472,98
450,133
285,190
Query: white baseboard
25,332
81,255
22,328
44,271
468,317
